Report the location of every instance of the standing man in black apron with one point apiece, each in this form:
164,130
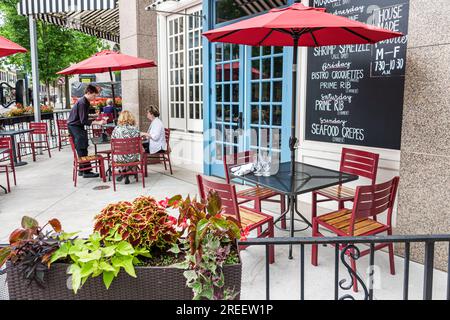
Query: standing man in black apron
78,119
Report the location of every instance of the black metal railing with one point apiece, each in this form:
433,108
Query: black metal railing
345,246
20,123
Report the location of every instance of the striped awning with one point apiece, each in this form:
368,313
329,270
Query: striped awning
99,18
257,6
249,6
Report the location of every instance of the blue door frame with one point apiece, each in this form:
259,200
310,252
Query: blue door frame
212,167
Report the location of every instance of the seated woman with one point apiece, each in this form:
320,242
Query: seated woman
109,108
155,136
126,129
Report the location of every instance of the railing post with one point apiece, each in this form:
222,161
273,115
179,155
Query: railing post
302,272
336,272
406,276
267,272
371,269
428,271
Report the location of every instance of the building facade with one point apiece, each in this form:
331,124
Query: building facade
220,98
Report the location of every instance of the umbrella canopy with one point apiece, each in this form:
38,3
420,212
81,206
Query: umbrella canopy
108,61
7,47
311,26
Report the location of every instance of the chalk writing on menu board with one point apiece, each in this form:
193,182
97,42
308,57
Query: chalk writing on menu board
355,92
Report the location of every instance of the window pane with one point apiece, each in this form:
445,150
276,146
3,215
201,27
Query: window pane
255,92
265,95
227,10
255,69
277,91
255,114
266,66
278,67
265,115
276,115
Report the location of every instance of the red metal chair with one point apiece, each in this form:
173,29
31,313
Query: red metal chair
248,218
7,143
256,194
4,168
164,157
40,131
369,202
91,162
63,132
128,146
361,163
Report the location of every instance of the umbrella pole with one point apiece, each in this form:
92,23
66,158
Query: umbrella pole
113,94
293,140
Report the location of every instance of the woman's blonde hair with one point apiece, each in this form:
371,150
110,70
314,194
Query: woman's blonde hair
109,102
126,118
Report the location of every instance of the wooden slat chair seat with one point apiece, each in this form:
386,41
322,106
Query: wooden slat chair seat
370,201
248,218
256,192
90,158
357,162
338,193
339,221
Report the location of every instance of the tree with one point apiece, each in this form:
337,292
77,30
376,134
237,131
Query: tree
58,47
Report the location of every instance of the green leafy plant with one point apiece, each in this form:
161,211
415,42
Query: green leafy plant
97,256
31,248
211,238
143,222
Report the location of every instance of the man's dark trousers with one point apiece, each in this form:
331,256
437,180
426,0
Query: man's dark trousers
80,139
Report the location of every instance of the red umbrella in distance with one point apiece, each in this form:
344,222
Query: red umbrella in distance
298,25
7,47
108,61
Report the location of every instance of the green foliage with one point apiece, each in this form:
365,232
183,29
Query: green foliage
209,244
57,47
31,247
144,223
98,255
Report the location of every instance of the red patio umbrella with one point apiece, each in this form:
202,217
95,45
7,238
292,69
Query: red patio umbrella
108,61
298,25
7,47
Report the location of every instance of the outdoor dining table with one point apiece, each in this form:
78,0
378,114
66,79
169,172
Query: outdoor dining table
13,134
4,150
307,178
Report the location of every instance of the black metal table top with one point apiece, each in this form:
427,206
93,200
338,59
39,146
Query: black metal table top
100,140
306,179
14,132
109,125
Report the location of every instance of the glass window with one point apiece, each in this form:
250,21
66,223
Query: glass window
227,10
185,62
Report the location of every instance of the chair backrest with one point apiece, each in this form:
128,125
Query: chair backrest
62,125
373,200
72,145
237,159
5,142
126,146
226,192
38,128
361,163
167,135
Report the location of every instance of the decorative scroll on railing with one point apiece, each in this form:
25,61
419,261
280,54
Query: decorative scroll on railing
347,247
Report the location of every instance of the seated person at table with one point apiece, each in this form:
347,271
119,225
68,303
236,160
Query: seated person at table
126,129
109,108
155,136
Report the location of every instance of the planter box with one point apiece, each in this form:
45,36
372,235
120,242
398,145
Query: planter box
152,283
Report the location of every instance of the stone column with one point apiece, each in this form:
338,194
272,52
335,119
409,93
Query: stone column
424,192
138,37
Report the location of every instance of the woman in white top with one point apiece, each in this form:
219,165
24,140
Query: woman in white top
156,135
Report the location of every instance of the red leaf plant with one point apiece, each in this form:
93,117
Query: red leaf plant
143,222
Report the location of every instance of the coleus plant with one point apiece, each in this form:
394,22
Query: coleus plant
143,222
31,248
210,239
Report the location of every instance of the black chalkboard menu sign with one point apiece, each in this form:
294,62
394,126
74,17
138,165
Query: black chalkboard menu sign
355,92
